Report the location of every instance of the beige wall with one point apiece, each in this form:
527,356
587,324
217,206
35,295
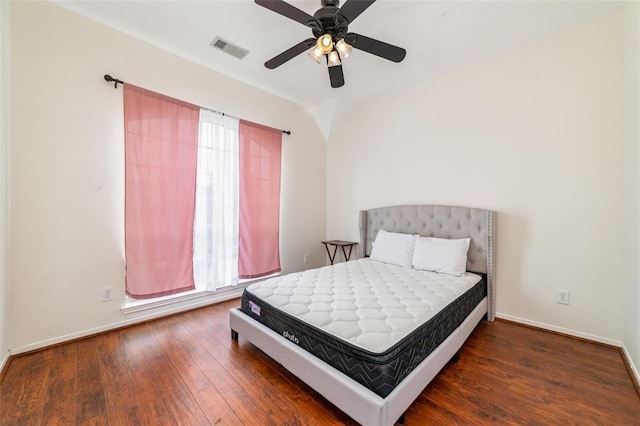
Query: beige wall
67,167
535,134
631,76
4,166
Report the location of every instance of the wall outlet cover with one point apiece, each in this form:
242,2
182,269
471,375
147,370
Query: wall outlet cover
107,294
563,297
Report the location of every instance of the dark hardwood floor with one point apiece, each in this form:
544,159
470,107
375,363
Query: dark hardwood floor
186,370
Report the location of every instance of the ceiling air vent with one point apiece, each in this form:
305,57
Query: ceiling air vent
229,48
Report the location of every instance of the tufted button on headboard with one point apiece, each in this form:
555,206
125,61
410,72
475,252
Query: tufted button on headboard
441,222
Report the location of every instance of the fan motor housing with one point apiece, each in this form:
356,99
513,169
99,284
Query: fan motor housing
330,22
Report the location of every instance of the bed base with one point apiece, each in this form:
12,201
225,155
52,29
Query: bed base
355,400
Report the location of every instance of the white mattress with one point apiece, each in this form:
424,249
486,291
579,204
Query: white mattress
371,305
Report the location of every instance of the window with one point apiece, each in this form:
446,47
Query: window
202,197
216,217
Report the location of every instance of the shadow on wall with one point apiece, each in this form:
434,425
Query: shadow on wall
510,245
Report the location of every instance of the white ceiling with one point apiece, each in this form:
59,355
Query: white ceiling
439,36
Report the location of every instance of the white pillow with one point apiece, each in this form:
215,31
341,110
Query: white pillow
441,255
394,248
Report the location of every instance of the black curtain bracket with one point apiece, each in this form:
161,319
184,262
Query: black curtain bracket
110,79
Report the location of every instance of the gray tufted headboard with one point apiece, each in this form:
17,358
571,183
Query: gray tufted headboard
440,222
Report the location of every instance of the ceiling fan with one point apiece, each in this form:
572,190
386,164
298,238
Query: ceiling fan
331,38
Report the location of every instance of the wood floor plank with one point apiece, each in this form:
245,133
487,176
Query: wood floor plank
235,397
60,402
243,369
91,404
537,381
168,336
119,381
216,407
130,381
276,381
303,388
185,369
168,387
171,338
25,390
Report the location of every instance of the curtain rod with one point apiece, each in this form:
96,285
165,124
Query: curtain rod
110,79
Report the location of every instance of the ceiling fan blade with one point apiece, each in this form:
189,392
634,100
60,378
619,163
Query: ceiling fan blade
336,76
376,47
290,53
289,11
351,9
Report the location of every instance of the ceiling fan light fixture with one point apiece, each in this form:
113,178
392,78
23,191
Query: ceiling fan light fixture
325,43
331,37
316,54
344,48
333,59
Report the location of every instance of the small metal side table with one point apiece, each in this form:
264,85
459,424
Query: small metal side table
336,244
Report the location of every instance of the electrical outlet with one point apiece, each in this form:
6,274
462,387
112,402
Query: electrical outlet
563,297
306,258
107,294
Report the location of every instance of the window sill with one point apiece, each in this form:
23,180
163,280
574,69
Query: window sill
137,305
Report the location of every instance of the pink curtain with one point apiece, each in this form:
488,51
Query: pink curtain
161,141
259,242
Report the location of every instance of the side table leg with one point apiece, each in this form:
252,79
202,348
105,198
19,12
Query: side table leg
347,256
331,258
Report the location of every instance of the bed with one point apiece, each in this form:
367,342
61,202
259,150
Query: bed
375,380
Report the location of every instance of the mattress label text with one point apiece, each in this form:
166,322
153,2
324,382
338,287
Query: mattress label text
291,337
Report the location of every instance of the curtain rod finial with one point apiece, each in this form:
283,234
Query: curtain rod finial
108,78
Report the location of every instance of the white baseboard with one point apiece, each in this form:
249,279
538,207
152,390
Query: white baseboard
562,330
210,299
4,360
634,369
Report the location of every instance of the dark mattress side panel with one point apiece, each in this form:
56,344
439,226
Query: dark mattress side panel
380,373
